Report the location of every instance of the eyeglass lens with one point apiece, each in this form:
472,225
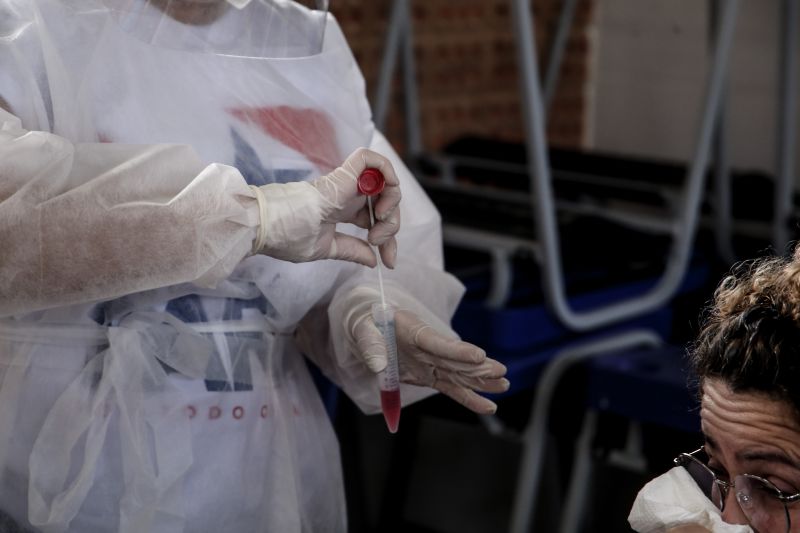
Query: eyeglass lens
766,513
705,480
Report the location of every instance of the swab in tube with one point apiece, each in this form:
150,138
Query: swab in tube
370,183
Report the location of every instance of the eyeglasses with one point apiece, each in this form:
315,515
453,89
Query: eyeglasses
764,504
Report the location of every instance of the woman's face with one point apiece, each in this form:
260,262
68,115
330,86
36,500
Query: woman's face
749,433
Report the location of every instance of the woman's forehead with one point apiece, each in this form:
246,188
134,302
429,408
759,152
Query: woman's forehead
736,422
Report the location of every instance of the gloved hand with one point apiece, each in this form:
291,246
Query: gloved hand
426,357
298,220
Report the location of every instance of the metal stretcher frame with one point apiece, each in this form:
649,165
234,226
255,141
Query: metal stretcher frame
713,122
543,205
683,236
685,225
573,509
400,34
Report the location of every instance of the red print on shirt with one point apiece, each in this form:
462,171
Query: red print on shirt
308,131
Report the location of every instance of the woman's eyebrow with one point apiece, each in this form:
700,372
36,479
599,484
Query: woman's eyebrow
763,456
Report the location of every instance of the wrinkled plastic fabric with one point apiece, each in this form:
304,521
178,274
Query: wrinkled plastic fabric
149,374
270,29
67,242
121,432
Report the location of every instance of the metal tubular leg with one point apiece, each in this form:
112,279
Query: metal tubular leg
493,425
413,129
574,514
502,276
557,51
530,471
787,127
542,193
396,27
631,457
723,222
575,508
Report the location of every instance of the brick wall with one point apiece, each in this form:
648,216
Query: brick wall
467,67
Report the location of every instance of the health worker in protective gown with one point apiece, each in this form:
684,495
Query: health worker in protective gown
171,178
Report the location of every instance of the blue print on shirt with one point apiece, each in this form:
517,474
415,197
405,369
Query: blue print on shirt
191,308
249,164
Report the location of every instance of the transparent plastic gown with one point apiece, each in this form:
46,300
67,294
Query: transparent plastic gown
150,378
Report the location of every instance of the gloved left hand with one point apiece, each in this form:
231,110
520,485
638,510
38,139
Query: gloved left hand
426,357
298,220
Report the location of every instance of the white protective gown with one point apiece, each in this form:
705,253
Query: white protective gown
150,379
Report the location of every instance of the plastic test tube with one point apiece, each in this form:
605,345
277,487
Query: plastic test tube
370,183
389,377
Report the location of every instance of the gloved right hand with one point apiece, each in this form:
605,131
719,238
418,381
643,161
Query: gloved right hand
426,357
298,220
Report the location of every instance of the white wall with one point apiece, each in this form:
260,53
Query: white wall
649,70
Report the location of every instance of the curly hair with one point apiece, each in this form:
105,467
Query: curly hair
750,335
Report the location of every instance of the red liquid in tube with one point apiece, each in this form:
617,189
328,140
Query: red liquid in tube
390,404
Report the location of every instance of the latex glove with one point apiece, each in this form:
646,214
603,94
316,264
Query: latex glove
298,220
426,357
674,502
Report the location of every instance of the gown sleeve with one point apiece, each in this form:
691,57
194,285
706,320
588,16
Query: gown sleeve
86,222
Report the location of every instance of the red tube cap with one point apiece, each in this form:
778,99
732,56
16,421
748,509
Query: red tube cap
371,182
